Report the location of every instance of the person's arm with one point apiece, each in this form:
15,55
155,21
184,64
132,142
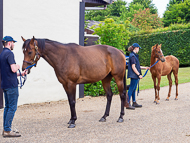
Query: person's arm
14,67
136,71
144,68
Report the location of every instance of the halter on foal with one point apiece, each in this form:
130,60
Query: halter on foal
74,64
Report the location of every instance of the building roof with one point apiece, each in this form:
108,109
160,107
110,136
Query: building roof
92,3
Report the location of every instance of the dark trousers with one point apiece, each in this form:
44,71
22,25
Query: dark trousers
11,99
132,89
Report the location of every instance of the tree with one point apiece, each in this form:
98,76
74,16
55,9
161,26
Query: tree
145,20
146,4
132,10
177,13
113,34
113,10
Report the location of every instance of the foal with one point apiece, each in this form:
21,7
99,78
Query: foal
166,66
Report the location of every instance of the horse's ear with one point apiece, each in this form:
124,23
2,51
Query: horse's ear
156,45
32,40
23,39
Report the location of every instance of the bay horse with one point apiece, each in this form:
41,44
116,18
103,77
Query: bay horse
164,67
74,64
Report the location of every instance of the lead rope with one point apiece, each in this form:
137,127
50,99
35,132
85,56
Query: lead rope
24,77
145,75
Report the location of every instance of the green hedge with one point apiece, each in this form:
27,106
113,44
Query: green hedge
96,89
175,43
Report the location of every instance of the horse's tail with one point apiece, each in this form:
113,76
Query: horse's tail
125,86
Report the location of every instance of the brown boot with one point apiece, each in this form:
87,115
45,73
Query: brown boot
136,105
130,107
10,134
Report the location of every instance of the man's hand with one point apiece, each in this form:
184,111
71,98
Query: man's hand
140,76
25,72
18,66
15,67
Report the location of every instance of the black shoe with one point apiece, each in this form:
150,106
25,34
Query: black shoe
130,107
136,105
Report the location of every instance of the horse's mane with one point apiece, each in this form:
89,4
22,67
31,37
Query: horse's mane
41,43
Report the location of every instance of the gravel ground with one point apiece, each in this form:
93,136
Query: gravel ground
167,122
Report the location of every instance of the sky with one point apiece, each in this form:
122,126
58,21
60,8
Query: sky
160,4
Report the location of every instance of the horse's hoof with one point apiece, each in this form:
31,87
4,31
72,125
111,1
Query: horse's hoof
176,99
157,103
167,99
69,122
102,120
71,126
154,102
120,120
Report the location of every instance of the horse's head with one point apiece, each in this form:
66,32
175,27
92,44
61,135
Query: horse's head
157,52
31,53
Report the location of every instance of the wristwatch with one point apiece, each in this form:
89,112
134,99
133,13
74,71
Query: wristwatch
139,74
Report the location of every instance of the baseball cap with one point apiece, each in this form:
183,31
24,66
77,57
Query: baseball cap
136,45
7,39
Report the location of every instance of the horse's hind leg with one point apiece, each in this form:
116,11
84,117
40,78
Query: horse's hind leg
175,72
70,89
106,85
122,93
170,85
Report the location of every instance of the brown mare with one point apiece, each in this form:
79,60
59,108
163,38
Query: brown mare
165,66
74,64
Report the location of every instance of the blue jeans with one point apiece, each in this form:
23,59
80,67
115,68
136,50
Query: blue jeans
132,89
11,99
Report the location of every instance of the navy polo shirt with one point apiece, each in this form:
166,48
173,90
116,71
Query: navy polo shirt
8,78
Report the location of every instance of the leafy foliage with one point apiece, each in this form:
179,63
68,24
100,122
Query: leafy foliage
177,13
146,4
96,89
132,10
113,34
144,20
113,10
173,43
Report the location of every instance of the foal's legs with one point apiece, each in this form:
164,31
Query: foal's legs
154,80
170,85
158,88
106,85
70,89
175,72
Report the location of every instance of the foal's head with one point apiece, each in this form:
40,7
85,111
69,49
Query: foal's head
157,52
31,53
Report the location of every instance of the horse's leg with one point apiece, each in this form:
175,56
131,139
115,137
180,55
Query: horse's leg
122,93
154,80
158,88
175,72
106,85
70,89
170,85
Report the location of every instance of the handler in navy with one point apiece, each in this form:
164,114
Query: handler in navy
134,72
9,84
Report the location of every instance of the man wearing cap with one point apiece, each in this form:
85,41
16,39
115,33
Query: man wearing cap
134,72
9,84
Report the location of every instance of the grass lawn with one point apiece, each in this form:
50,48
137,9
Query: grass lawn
147,82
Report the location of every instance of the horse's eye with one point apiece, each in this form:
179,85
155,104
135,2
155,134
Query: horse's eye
29,53
158,51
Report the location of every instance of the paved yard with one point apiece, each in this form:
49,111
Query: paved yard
164,123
